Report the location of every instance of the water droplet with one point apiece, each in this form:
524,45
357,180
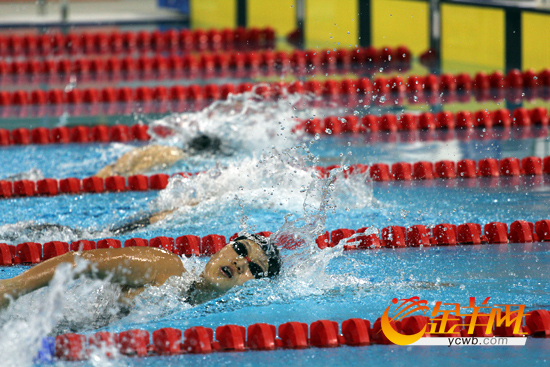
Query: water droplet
71,85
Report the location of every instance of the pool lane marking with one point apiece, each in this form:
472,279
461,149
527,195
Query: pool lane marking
515,124
400,171
366,238
516,86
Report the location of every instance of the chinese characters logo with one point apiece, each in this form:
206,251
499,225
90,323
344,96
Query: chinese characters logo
451,320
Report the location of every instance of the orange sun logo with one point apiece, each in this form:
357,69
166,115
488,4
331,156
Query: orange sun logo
407,307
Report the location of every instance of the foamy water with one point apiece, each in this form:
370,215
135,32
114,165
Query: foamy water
244,122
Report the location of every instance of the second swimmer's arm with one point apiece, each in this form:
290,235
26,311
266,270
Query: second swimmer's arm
143,159
132,267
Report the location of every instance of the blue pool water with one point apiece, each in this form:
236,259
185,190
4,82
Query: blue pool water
317,284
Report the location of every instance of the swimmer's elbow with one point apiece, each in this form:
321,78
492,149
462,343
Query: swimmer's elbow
171,266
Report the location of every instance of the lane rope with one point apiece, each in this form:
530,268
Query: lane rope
520,118
430,89
290,335
366,238
445,120
115,42
240,65
401,171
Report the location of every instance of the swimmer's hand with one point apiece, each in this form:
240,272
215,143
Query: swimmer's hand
140,222
160,215
141,160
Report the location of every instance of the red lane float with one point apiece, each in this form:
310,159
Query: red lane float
134,342
291,335
115,42
167,341
443,234
408,122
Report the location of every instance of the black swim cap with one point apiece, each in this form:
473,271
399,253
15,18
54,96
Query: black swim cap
204,143
274,261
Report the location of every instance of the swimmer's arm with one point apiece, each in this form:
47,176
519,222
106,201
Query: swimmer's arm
160,215
131,267
143,159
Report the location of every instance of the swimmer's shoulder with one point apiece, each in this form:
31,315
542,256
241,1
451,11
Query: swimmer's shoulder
171,263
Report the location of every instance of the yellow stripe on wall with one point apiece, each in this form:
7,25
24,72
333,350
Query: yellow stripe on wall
279,15
472,38
331,23
216,14
397,23
535,40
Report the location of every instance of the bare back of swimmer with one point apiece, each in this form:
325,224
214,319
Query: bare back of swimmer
143,159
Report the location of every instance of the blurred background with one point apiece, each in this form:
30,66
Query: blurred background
57,52
476,35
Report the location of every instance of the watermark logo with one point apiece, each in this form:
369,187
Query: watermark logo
452,320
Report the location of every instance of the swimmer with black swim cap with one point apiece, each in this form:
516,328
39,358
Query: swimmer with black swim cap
245,258
135,268
141,160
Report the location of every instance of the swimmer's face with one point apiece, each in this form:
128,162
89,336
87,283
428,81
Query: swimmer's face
226,268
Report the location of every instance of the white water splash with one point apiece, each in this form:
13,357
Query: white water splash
21,332
32,231
34,174
244,122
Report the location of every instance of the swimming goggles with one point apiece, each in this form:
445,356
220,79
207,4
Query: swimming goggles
255,269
